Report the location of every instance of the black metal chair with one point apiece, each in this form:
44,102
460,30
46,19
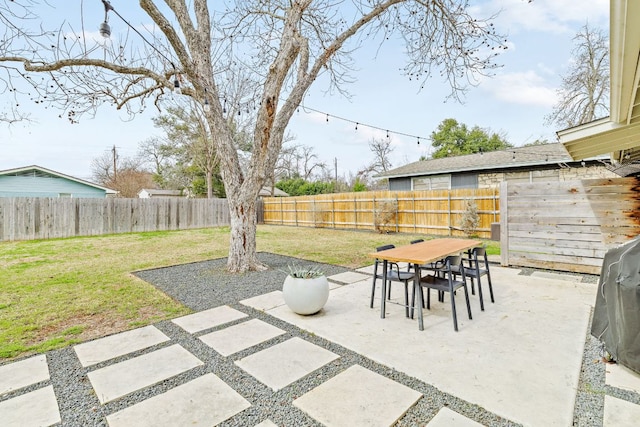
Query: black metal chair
393,275
478,267
448,283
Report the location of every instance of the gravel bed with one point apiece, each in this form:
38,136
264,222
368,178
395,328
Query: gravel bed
205,285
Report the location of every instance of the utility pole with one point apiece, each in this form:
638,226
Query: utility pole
335,167
115,157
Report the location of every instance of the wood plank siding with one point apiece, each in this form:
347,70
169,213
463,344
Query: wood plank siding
567,226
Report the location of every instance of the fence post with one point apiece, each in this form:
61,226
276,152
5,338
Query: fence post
333,211
413,201
373,213
397,213
355,212
450,224
295,211
504,224
281,213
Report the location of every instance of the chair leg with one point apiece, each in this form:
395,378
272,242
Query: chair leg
406,298
490,287
428,298
479,293
373,291
466,297
453,312
389,290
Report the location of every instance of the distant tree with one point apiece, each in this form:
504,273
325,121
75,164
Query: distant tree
301,187
584,93
298,161
536,142
381,149
123,174
455,139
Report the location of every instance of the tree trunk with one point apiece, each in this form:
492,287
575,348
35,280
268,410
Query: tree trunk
242,244
209,185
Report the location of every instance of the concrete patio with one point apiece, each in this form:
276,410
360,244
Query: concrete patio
520,359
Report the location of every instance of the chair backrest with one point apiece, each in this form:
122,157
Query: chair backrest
417,241
385,247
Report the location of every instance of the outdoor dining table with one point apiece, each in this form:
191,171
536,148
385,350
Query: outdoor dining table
417,254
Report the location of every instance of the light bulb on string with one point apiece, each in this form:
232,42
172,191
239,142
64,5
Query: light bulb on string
356,126
105,29
387,134
418,140
327,118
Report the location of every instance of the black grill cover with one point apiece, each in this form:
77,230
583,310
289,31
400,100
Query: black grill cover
616,317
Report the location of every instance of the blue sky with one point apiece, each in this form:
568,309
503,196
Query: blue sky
514,102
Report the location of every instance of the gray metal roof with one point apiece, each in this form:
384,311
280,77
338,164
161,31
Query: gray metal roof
533,155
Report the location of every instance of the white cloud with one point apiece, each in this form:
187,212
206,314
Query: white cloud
523,88
554,16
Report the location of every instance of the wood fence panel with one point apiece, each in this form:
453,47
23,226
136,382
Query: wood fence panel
567,225
427,212
46,218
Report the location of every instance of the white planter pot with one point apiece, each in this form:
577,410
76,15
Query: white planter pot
305,296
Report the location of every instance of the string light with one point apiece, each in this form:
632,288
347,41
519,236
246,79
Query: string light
358,124
105,29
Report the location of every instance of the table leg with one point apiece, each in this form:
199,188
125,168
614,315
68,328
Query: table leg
384,288
418,297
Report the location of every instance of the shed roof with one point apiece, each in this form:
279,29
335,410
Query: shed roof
530,156
266,192
35,170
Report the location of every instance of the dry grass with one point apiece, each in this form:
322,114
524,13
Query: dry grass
59,292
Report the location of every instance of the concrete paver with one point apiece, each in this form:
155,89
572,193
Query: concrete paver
206,401
448,418
207,319
284,363
358,397
93,352
16,375
348,277
267,423
235,338
114,381
619,376
265,302
36,408
620,413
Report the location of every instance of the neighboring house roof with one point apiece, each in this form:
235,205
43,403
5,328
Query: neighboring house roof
266,192
159,193
530,156
35,170
620,131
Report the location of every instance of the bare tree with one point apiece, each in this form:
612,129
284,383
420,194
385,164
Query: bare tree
298,161
381,149
284,45
584,92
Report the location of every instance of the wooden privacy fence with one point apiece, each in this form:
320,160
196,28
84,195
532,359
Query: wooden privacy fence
44,218
429,212
567,225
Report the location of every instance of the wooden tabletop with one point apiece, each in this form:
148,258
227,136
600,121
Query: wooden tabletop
426,252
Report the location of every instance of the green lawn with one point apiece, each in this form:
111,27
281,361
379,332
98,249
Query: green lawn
54,293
